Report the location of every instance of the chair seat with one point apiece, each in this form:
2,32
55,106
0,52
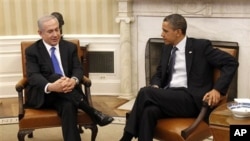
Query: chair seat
170,129
43,118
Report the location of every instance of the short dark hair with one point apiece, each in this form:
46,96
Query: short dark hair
177,21
59,18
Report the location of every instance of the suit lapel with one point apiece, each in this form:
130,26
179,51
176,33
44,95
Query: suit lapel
44,53
189,55
165,59
63,55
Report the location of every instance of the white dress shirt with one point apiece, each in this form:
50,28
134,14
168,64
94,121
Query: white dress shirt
179,78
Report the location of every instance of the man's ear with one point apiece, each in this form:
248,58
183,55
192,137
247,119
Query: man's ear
39,32
179,32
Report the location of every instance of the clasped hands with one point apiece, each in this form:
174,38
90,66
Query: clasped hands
62,85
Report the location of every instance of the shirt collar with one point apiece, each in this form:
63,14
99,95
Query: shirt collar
49,46
182,44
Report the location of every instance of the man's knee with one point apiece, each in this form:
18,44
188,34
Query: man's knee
145,90
146,93
69,108
152,111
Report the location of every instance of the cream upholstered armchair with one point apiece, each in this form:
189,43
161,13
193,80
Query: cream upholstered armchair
31,119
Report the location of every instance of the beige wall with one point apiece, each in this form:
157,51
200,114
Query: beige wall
18,17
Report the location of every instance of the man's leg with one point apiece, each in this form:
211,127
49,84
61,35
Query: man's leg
172,102
100,118
78,100
68,113
148,121
132,122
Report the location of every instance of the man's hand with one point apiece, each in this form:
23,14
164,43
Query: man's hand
56,86
62,85
68,84
212,97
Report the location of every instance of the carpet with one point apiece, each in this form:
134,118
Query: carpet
128,105
13,120
111,132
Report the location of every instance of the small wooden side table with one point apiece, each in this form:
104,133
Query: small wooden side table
220,120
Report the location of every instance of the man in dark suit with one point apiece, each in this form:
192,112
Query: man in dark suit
179,92
56,86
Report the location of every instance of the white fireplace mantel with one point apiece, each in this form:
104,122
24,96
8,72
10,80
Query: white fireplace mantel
227,20
195,8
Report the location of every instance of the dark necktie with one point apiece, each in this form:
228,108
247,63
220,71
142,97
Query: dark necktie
171,66
55,62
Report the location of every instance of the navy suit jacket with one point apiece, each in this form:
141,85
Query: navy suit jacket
201,59
40,70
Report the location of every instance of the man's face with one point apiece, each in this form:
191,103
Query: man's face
169,35
50,32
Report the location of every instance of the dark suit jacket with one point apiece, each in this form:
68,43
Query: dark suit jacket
201,59
40,69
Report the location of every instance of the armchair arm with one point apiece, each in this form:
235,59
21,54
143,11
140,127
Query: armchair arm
186,132
19,88
87,83
21,84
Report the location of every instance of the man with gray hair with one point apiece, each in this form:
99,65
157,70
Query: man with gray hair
54,72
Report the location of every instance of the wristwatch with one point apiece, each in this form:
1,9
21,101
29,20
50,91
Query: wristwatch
76,79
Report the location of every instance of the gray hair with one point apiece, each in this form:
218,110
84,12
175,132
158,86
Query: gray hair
43,19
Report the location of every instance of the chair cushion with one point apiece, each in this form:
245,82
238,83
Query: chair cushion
43,118
170,129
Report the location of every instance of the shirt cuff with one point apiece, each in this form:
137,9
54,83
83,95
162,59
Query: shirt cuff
46,89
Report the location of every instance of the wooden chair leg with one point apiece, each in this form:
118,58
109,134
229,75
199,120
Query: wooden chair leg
94,131
80,129
30,135
22,133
